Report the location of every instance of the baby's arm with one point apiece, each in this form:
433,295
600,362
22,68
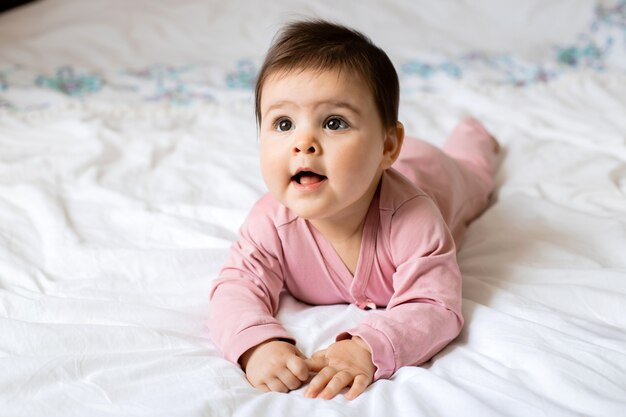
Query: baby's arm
345,363
275,365
244,302
424,313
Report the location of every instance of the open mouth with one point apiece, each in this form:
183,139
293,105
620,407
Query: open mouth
308,178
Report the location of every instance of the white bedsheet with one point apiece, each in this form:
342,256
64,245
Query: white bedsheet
128,160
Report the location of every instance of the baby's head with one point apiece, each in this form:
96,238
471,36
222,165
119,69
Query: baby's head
322,46
327,110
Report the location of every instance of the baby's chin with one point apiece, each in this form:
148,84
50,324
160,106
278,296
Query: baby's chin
303,210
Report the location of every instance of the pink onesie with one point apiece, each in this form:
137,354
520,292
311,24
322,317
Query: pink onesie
407,262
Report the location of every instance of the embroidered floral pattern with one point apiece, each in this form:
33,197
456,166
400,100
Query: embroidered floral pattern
611,16
427,70
602,47
164,83
244,77
592,51
74,85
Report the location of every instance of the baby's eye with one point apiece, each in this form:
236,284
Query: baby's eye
336,123
283,125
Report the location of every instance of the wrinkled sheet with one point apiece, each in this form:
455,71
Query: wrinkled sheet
128,160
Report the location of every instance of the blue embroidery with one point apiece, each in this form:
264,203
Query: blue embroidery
611,16
600,48
166,84
591,51
427,70
71,84
244,77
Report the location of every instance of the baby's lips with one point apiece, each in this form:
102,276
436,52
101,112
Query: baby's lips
307,176
304,169
311,179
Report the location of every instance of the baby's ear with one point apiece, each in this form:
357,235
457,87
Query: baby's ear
393,144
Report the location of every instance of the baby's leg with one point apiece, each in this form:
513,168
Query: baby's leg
459,178
471,143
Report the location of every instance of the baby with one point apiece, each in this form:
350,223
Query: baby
354,214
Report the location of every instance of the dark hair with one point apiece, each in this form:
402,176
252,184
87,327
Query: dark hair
321,45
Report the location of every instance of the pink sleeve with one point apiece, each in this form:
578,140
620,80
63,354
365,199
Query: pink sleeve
424,313
245,297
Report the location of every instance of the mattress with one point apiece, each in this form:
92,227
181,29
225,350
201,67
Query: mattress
129,159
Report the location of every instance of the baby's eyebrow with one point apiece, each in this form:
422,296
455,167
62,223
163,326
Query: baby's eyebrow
326,103
279,104
344,104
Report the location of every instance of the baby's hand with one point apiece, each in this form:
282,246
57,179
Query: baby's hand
344,363
275,365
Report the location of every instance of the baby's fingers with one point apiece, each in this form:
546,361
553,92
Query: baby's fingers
299,368
361,382
277,385
341,380
317,362
289,379
319,381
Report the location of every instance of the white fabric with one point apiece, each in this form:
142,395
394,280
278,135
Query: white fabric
118,205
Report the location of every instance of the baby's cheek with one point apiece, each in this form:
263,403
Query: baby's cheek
270,171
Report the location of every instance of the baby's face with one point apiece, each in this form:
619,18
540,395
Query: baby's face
322,143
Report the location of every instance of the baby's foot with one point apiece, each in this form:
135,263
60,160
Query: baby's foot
471,124
496,145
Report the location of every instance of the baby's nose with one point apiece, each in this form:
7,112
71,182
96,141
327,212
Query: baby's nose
308,150
307,144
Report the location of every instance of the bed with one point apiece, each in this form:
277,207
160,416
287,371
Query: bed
128,160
